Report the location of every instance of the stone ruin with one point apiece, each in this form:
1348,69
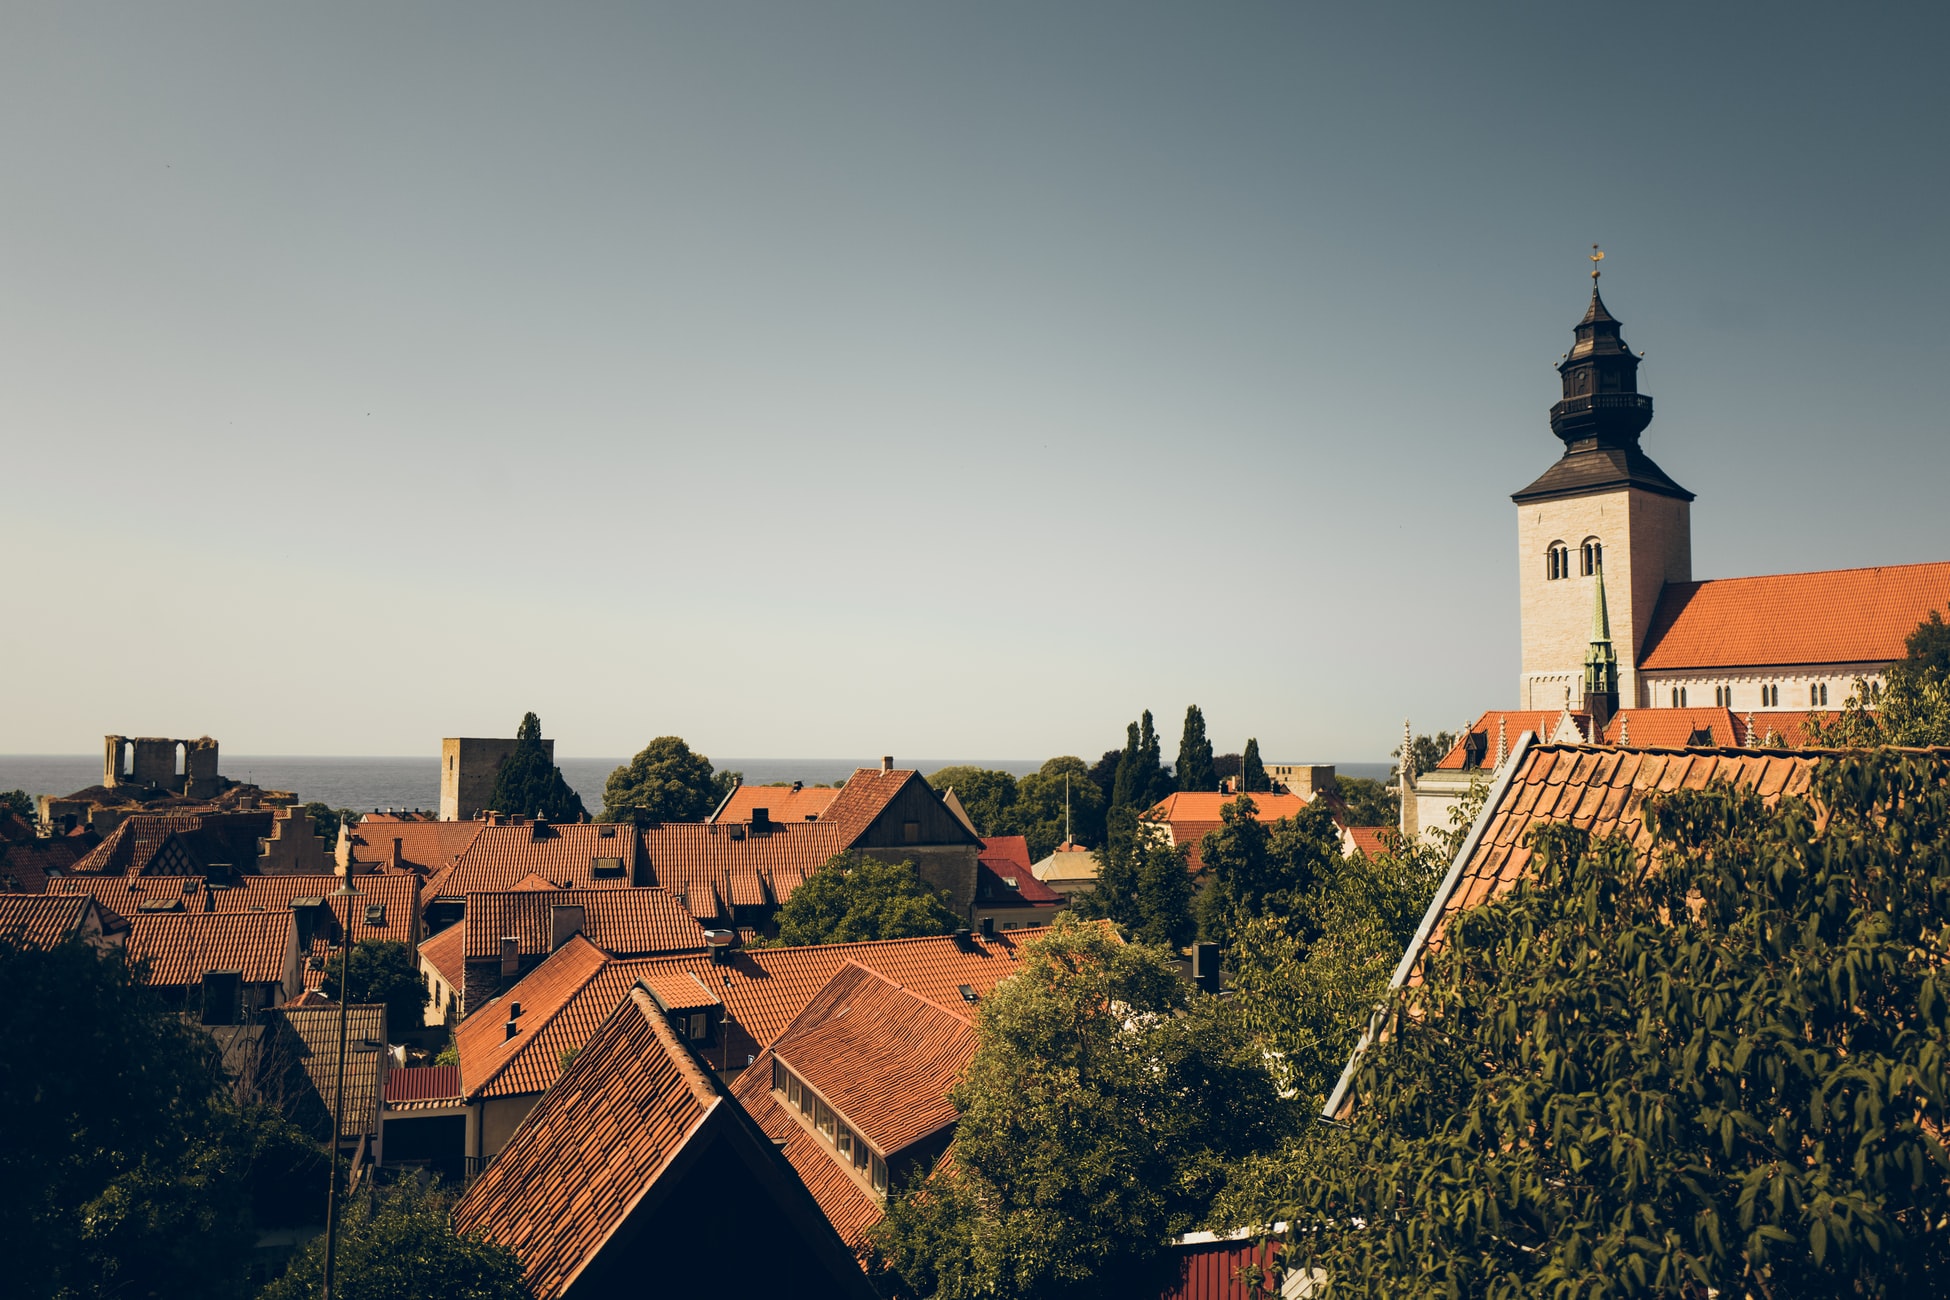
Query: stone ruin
151,763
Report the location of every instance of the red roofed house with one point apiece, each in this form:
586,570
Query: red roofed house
223,966
45,920
797,802
638,1174
1188,816
508,934
1008,896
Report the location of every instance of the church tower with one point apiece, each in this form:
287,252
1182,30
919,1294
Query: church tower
1604,507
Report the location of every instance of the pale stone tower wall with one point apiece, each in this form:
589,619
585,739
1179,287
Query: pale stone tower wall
468,767
1648,541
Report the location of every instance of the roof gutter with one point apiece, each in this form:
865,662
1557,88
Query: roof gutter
1498,788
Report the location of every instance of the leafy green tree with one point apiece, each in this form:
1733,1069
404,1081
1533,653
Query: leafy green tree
1928,648
1723,1075
854,897
382,970
1145,885
16,802
1195,770
528,782
1910,707
125,1167
1040,800
988,796
1099,1116
1255,868
397,1242
1252,772
1368,802
666,782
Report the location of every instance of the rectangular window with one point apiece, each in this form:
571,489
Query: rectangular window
823,1119
792,1092
805,1101
860,1153
700,1027
843,1143
778,1076
879,1175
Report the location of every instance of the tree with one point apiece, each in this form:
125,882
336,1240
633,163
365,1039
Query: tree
854,897
1098,1117
1145,886
1910,707
126,1169
987,796
1368,802
1103,772
666,782
383,970
528,782
1195,771
1928,648
18,803
1252,772
1040,799
1255,868
397,1242
1717,1067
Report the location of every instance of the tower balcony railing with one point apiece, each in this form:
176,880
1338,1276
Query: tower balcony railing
1600,403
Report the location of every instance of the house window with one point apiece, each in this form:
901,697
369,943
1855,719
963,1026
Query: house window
1679,697
1818,693
806,1100
843,1143
879,1174
1557,561
1594,556
823,1119
911,832
860,1153
778,1076
700,1026
793,1092
1770,697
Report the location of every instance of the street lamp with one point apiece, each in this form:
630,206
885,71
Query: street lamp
346,894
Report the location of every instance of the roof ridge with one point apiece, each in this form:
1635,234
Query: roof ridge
1809,573
704,1085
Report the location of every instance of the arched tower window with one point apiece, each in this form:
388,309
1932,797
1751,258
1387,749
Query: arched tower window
1593,556
1557,561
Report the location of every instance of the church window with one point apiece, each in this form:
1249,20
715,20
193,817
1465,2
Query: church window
1818,693
1594,557
1770,697
1679,697
1557,562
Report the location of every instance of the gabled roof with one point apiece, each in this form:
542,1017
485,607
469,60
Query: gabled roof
881,1055
679,990
782,803
1372,840
45,920
621,922
704,861
32,862
180,843
846,1205
426,847
398,894
317,1028
560,852
1004,875
495,1064
867,794
1194,814
762,989
134,895
1514,722
618,1137
182,947
1837,616
446,952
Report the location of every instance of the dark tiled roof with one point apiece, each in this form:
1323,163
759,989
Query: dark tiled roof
1839,616
41,920
564,853
365,1059
1599,469
182,948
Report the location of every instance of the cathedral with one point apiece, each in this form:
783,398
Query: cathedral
1621,645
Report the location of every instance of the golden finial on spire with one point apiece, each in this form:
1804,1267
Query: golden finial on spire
1597,256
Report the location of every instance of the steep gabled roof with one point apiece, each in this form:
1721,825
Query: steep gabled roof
446,952
1837,616
45,920
552,1021
846,1205
560,852
621,922
881,1055
782,803
182,947
1005,875
867,794
317,1028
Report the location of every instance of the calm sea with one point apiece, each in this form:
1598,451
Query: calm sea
415,782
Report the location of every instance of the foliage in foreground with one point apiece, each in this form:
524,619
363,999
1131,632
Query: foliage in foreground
396,1243
1911,707
1099,1117
1145,885
667,781
125,1168
529,782
1724,1075
854,897
382,970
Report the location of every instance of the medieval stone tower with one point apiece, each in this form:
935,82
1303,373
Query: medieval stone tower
1603,506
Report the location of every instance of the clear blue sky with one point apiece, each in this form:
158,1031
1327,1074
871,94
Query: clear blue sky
952,379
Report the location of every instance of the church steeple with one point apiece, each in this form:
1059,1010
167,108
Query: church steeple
1601,662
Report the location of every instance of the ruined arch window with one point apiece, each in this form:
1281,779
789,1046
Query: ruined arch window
1557,562
1593,556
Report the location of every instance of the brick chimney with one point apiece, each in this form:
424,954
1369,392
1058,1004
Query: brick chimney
398,860
887,763
565,921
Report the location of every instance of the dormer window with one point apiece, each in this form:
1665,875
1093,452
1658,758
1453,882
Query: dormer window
878,1175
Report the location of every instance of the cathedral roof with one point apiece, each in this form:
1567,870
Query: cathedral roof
1836,616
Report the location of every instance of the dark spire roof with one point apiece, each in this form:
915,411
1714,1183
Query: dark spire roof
1600,417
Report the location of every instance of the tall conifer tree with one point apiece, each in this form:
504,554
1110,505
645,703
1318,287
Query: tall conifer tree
529,783
1252,772
1195,770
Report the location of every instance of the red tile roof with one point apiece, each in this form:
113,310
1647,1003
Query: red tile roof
703,862
398,894
1515,722
446,953
881,1055
1372,840
182,947
180,844
583,1158
426,847
846,1205
423,1083
1005,875
31,862
45,920
561,852
679,990
763,989
1838,616
782,803
621,922
133,895
864,797
1194,814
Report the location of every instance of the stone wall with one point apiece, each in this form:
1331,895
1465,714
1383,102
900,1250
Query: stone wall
468,767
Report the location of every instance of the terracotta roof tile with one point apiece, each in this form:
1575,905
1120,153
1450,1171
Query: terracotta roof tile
864,797
564,853
425,847
702,861
847,1206
1192,815
1838,616
1515,722
493,1064
446,952
781,803
621,922
365,1059
583,1157
182,947
1372,840
679,990
44,920
423,1083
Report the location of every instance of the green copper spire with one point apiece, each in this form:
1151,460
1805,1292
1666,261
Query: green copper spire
1600,664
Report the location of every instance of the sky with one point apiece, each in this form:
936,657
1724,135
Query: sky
830,378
